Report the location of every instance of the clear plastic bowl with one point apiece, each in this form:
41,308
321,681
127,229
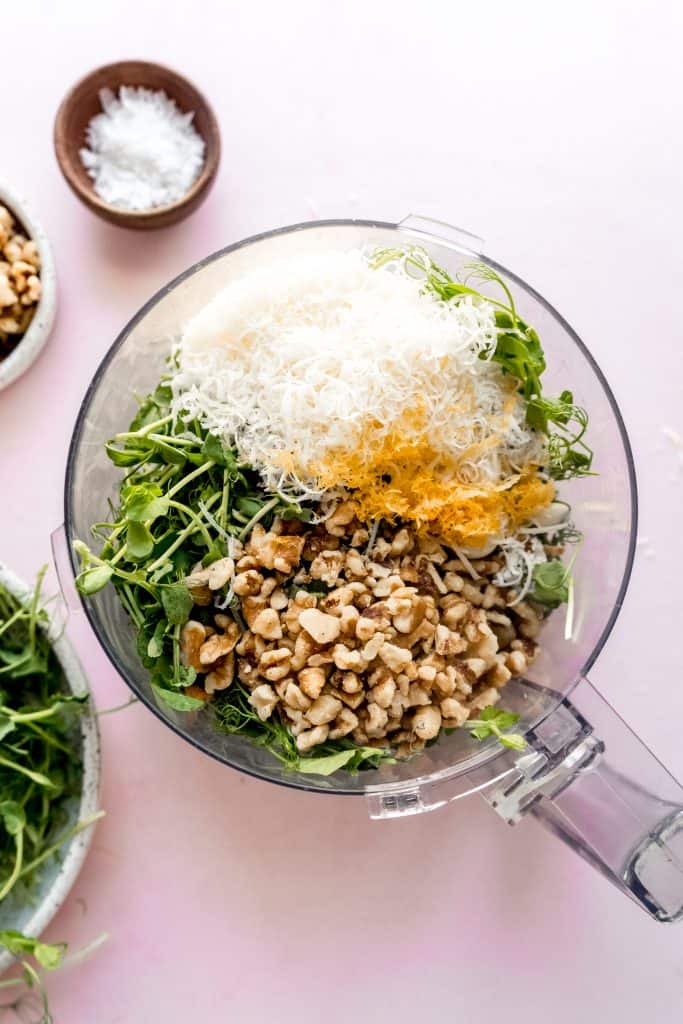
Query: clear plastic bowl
604,509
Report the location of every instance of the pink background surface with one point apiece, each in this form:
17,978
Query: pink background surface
558,141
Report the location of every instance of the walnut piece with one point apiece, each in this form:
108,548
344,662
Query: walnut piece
387,647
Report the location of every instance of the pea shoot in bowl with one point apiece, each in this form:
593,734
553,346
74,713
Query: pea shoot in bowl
340,523
49,773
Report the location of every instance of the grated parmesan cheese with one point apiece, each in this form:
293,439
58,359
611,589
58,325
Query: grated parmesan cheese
327,373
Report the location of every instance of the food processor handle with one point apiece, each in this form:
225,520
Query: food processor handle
589,779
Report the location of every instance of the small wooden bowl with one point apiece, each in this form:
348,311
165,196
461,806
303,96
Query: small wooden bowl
82,103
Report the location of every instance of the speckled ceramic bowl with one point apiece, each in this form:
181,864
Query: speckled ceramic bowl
58,875
39,329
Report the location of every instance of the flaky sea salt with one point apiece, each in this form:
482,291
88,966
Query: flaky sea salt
142,151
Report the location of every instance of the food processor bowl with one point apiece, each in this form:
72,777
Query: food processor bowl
583,773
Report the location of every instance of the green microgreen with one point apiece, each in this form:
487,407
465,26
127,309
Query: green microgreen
48,955
40,764
40,772
494,722
517,350
553,585
185,494
550,583
233,714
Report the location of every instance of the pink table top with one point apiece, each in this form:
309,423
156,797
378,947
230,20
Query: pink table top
227,899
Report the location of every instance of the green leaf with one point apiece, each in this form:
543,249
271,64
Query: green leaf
542,411
480,732
503,319
492,722
155,646
503,719
233,714
177,603
177,701
249,506
550,583
48,956
521,357
326,765
316,587
214,449
175,456
144,503
143,641
139,541
213,554
126,457
153,407
566,460
512,740
96,578
568,454
37,777
13,817
535,351
84,553
6,725
352,758
292,511
184,676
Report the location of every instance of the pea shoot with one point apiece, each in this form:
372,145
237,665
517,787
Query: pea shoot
519,353
184,499
40,769
235,715
40,761
494,722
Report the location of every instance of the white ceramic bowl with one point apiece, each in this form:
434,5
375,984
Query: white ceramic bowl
39,329
58,875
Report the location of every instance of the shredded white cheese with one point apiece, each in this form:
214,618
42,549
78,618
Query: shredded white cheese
321,354
521,557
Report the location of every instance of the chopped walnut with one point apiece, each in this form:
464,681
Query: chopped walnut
324,709
20,284
389,646
312,737
322,627
427,722
264,700
267,624
192,637
275,665
311,681
221,675
326,566
274,551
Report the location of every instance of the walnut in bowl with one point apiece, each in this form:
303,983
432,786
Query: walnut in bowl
27,287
